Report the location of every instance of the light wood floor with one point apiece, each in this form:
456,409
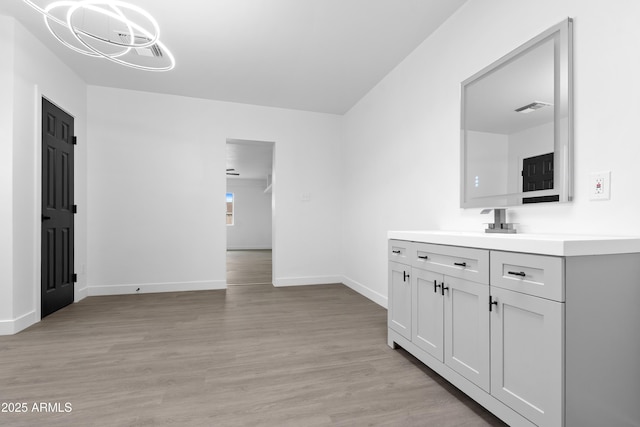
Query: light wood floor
249,267
247,356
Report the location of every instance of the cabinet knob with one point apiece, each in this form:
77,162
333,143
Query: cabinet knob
435,286
406,276
492,302
460,264
443,288
396,252
517,273
423,257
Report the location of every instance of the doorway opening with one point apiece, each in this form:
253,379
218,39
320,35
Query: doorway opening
249,219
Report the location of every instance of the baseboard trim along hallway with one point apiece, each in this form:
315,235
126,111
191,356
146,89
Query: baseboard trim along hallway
141,288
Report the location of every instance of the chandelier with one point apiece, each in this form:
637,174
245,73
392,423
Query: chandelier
111,29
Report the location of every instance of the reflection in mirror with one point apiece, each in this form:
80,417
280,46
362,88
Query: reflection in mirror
516,126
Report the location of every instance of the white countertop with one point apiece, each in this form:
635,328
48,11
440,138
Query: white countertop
546,244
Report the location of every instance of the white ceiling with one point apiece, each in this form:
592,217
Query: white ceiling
251,159
529,77
314,55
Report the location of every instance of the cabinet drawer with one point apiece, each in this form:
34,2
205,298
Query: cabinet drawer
399,251
465,263
537,275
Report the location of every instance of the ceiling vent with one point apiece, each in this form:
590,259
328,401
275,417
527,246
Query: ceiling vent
535,105
150,51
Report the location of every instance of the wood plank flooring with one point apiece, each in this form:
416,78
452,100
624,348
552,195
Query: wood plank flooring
249,267
245,356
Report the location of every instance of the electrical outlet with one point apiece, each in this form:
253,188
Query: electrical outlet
600,186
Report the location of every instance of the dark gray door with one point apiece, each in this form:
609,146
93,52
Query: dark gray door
57,208
537,174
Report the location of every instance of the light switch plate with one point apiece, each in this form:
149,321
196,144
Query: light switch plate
600,186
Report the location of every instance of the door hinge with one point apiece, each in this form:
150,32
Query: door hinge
74,277
74,209
75,140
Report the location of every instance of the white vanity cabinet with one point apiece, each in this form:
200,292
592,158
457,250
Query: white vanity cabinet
527,355
428,307
399,318
542,331
527,324
449,318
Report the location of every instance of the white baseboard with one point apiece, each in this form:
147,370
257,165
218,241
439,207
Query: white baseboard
145,288
367,292
322,280
304,281
11,327
80,294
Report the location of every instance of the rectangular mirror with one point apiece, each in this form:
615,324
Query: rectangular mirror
517,125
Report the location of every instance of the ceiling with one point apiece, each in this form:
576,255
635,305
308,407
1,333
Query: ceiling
313,55
251,159
490,100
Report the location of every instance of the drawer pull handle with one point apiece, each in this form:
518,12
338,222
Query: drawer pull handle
423,257
517,273
460,264
406,276
435,286
443,288
396,252
492,303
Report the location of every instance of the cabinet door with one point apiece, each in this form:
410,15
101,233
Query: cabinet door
399,313
428,312
527,355
466,309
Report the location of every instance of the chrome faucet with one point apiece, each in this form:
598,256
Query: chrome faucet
500,224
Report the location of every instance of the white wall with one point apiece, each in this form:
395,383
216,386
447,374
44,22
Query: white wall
487,154
157,187
402,139
252,215
35,73
6,175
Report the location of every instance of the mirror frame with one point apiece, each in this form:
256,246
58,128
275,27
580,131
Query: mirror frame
562,34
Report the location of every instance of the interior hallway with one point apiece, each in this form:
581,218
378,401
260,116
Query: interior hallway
249,267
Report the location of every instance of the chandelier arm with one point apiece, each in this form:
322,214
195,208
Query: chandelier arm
117,15
67,3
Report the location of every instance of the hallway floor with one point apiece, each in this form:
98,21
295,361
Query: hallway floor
249,267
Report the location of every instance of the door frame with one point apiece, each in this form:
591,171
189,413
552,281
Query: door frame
37,203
